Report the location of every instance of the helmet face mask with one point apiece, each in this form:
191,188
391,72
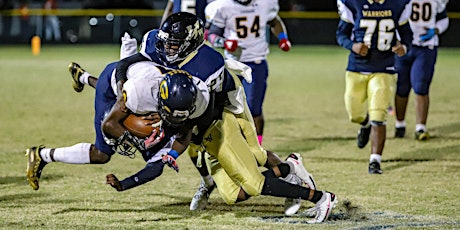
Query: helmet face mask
179,35
177,96
243,2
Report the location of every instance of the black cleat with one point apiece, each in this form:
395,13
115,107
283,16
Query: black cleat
400,132
374,168
363,136
76,71
35,165
422,135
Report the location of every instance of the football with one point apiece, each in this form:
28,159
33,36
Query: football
137,126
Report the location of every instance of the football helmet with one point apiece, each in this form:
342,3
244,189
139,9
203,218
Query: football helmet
177,96
179,35
243,2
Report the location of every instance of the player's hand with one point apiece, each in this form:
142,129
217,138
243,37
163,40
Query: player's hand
170,161
399,49
231,45
128,46
154,138
153,119
429,34
113,181
360,48
284,44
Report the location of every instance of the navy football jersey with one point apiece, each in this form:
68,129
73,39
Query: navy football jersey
378,25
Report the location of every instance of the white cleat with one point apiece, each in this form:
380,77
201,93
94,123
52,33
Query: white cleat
324,207
300,170
200,199
291,205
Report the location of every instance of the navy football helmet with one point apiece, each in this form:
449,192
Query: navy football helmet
177,96
179,35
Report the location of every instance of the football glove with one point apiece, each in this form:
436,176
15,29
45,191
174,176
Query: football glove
284,43
231,45
128,46
430,32
170,160
156,136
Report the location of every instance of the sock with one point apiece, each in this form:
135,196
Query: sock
259,138
291,166
400,124
420,127
375,158
84,78
208,181
77,154
285,169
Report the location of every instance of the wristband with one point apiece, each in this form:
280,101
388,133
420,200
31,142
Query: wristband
282,35
173,153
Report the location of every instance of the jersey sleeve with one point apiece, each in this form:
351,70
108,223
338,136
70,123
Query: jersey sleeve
202,99
273,9
344,12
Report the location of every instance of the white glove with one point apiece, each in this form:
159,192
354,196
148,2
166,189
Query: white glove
128,46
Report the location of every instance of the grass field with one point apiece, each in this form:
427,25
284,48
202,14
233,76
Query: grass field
304,112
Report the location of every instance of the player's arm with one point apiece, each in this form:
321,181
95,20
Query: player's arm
113,129
151,171
279,29
168,10
215,36
442,22
343,34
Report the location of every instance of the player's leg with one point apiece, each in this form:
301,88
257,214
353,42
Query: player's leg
355,103
207,184
422,75
381,90
404,65
82,153
255,94
80,77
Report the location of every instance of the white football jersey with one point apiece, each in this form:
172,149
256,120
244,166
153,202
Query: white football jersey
141,88
424,16
247,24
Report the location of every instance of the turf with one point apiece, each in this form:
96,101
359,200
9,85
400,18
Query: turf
304,112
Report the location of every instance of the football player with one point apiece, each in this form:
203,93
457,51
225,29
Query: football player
369,30
179,44
101,151
226,132
240,27
415,69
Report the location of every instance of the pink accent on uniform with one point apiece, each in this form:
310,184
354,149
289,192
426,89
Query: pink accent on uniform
260,137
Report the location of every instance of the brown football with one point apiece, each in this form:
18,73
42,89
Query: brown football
137,126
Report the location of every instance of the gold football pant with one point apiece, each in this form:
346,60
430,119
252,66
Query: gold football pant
368,93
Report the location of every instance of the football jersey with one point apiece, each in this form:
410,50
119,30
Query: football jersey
141,89
204,63
375,24
247,24
192,6
428,14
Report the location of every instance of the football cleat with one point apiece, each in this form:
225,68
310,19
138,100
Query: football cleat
35,165
363,136
291,205
76,71
200,199
374,168
324,207
422,135
300,171
400,132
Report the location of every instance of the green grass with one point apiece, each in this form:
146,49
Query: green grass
304,112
